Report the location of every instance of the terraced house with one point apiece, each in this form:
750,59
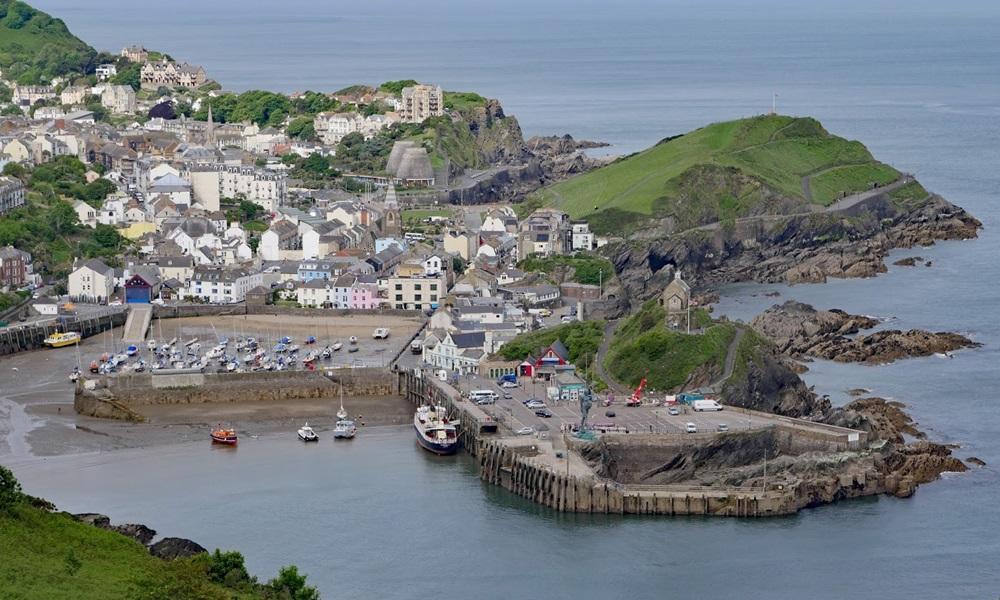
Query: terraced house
11,194
170,74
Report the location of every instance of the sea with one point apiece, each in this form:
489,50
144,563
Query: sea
917,81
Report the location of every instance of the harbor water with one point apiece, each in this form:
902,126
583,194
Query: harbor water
917,82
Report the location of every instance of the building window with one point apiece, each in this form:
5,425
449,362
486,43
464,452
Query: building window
416,286
434,297
399,297
434,287
399,287
417,297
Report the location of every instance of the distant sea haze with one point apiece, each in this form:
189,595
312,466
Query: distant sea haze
918,82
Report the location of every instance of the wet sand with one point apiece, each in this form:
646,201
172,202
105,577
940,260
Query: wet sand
36,397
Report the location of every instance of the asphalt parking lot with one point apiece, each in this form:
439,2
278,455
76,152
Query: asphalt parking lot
635,419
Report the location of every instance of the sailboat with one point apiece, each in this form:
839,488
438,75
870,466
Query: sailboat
345,428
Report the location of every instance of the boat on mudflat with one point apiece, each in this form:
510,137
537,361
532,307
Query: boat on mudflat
224,435
58,340
435,432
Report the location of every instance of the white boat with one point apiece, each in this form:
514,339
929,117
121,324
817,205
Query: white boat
151,345
337,346
293,348
306,434
326,353
353,339
345,429
74,376
435,432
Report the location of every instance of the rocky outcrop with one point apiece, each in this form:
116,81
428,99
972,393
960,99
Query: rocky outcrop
167,548
553,145
768,383
172,548
800,330
789,249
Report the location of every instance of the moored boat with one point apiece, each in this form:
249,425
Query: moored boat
435,432
224,435
345,429
58,340
337,346
306,434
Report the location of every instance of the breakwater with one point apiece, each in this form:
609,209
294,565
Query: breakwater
125,396
31,337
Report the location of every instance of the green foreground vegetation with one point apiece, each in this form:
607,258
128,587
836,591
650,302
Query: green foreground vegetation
49,555
36,47
720,172
643,346
586,269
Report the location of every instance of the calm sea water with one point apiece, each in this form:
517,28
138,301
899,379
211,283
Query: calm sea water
918,82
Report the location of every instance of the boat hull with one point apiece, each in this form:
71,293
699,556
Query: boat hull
224,440
442,449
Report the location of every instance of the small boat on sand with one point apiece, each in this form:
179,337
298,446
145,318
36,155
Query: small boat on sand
337,346
58,340
224,435
311,339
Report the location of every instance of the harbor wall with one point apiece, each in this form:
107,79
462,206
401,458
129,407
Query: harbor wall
130,393
30,337
213,310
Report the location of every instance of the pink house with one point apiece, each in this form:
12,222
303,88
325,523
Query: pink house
364,294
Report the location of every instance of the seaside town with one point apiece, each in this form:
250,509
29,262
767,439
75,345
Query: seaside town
197,264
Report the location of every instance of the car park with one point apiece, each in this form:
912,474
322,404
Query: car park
690,428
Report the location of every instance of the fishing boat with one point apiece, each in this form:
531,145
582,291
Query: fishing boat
306,434
353,339
311,339
337,346
293,348
279,348
326,353
435,432
285,340
59,340
132,350
224,435
74,376
151,345
94,366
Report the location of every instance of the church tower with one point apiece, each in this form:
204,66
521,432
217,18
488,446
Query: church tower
391,220
210,129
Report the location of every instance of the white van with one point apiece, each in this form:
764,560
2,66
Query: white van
483,396
441,374
381,333
705,405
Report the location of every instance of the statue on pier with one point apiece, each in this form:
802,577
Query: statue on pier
586,401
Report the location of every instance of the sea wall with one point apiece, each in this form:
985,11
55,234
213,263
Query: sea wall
212,310
124,396
30,337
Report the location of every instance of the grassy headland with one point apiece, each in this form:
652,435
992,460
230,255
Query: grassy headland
643,346
719,172
35,46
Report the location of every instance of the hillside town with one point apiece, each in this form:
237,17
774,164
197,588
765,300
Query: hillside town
213,213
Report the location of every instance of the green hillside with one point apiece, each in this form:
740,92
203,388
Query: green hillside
643,346
719,172
35,47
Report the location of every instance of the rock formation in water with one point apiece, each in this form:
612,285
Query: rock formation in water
800,330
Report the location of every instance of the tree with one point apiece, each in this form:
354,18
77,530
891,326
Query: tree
317,163
10,494
163,110
289,584
457,265
301,128
227,568
5,94
129,75
396,87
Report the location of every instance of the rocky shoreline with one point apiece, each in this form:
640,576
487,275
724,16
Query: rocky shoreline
801,331
793,249
168,548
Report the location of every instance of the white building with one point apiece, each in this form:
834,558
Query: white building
222,285
105,72
119,99
212,182
416,293
421,102
91,281
583,239
331,127
460,352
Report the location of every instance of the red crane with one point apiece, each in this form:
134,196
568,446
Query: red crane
636,398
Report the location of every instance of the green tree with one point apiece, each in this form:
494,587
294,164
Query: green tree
301,128
317,163
290,584
129,75
5,94
227,568
10,491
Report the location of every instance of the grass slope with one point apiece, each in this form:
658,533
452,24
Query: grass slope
720,171
643,346
50,555
586,269
35,46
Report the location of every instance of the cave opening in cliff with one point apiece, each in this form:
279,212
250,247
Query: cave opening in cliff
657,262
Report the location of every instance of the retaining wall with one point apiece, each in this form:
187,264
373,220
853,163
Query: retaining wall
30,337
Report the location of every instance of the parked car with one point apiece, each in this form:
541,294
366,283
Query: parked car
566,318
674,411
508,384
544,413
723,428
534,404
485,400
690,428
524,431
609,413
507,396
